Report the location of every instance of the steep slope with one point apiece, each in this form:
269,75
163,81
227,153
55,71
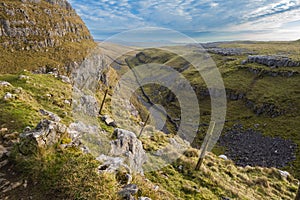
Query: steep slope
66,173
41,34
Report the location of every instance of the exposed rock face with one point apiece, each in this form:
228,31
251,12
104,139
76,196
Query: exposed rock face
50,132
46,133
77,128
126,151
51,115
272,61
228,51
86,104
128,146
86,77
46,22
109,121
268,109
46,26
62,3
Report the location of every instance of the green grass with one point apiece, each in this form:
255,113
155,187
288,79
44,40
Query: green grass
66,174
219,178
282,92
31,95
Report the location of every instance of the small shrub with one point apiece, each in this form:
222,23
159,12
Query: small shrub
191,153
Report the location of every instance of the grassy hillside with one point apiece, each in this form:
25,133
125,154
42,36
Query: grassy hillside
69,174
30,94
44,35
269,100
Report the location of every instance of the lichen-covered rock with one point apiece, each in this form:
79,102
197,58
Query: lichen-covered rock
65,79
112,164
52,116
46,133
129,147
128,190
86,105
77,128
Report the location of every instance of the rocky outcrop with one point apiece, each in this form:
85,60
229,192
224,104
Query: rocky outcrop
41,27
87,104
228,51
266,108
47,26
109,121
86,77
112,164
126,151
45,134
234,95
62,3
5,84
49,132
128,190
127,145
272,61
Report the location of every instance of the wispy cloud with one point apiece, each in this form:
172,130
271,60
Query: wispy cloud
190,16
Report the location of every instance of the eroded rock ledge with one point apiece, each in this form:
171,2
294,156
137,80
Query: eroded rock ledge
272,61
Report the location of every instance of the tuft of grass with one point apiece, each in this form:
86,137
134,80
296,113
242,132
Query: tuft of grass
221,178
66,174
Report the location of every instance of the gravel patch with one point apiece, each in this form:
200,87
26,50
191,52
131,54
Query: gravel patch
250,147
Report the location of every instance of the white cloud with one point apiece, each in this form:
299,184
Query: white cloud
214,4
190,15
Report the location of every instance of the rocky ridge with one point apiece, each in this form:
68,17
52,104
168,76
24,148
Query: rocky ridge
24,25
42,28
272,61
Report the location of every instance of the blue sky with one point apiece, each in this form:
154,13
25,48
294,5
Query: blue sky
203,20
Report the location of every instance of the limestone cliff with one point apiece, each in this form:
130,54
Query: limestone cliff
44,33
